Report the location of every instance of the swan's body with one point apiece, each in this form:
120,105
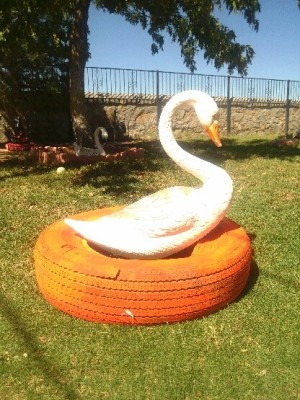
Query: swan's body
87,151
171,219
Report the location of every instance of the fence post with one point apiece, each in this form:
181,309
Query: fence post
287,110
228,108
158,105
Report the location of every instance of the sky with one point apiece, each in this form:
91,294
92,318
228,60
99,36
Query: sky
116,43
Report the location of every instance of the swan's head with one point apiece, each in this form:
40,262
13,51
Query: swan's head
206,109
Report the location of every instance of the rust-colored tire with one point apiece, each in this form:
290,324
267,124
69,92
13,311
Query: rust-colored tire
92,285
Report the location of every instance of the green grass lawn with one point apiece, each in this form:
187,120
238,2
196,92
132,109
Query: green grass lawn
249,350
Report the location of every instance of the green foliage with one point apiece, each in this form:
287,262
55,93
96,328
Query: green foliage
249,350
33,43
193,25
44,47
34,53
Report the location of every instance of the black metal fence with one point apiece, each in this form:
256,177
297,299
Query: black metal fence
145,83
156,85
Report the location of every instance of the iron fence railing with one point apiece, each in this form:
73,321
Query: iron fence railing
158,83
135,84
120,81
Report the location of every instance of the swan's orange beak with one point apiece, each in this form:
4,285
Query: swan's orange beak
214,133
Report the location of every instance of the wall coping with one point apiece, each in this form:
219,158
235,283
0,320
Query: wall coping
123,98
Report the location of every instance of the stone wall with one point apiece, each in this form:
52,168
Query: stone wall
140,118
268,119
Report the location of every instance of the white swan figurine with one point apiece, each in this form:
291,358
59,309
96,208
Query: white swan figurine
87,151
171,219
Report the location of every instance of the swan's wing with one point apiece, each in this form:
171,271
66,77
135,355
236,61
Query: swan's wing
150,227
166,212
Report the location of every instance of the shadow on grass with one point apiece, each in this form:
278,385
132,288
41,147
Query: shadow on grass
253,276
51,372
17,168
120,176
124,173
239,149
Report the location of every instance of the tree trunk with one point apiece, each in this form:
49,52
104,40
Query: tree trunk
79,56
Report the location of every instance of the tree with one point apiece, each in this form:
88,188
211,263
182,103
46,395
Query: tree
191,23
38,39
34,54
78,57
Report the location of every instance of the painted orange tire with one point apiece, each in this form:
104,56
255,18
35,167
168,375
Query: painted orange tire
92,285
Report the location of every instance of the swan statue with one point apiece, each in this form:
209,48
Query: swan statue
171,219
99,151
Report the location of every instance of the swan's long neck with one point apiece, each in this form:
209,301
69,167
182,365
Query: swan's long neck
97,141
213,177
